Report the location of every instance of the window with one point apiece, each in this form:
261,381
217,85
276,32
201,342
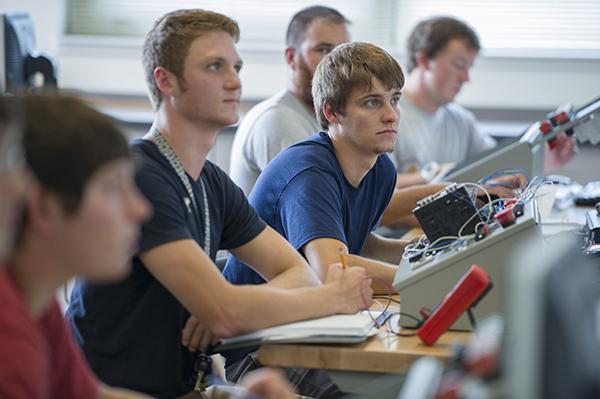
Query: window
530,28
263,24
538,28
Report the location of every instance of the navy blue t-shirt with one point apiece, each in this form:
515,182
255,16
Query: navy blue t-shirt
130,331
304,195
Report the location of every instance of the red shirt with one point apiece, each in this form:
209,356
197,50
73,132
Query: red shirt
38,358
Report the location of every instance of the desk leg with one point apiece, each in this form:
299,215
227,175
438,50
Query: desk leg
368,385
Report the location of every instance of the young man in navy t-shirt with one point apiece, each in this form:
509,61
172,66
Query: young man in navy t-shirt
131,332
326,194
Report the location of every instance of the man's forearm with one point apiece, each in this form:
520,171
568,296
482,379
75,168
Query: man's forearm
404,200
409,179
270,255
383,270
387,250
251,307
300,275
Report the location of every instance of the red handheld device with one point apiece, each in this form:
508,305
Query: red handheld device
469,289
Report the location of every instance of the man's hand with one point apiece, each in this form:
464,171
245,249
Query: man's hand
348,284
195,336
499,190
506,186
268,384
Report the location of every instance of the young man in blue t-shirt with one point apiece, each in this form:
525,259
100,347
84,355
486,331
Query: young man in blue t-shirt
326,194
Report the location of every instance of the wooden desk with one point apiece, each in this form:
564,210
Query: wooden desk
384,353
373,369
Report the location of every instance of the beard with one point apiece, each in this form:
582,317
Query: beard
304,82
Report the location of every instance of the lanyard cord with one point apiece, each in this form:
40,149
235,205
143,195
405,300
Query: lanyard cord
165,149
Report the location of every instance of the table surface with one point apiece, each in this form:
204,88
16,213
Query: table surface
383,353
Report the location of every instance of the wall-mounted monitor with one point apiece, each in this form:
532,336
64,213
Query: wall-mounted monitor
21,66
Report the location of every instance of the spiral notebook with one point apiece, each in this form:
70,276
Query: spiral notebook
337,329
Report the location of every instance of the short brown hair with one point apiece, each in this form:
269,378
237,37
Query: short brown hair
64,152
168,42
431,36
305,17
350,66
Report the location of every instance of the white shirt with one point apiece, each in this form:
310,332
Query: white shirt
266,130
448,135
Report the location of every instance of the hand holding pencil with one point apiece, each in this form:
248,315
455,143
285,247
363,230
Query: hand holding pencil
353,287
343,259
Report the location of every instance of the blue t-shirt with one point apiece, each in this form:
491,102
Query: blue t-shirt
304,195
130,331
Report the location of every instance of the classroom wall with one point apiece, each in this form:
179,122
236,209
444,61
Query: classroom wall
497,83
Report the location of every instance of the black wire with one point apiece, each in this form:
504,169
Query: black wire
388,321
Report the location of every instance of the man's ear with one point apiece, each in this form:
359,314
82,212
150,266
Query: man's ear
43,208
165,81
330,114
422,60
290,57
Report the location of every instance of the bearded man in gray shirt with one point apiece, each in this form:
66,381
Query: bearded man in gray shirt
287,117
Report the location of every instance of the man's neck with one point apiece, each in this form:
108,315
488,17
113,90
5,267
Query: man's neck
190,141
415,90
38,273
355,163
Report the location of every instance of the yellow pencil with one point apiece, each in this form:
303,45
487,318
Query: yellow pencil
343,260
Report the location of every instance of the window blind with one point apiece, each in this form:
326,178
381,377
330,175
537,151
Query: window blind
560,28
263,22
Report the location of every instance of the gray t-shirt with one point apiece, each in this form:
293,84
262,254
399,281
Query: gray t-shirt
267,129
448,135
